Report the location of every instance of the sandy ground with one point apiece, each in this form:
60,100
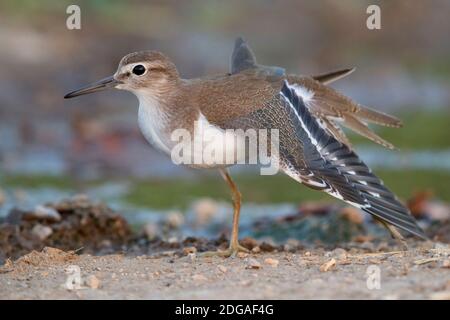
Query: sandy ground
340,274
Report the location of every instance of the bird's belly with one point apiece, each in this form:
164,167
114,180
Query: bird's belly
208,146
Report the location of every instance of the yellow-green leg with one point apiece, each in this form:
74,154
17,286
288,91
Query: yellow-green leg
234,247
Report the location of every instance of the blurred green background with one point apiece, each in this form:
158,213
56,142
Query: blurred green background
47,143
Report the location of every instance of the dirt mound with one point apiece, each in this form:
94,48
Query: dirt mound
68,225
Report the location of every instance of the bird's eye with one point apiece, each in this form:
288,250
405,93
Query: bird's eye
139,70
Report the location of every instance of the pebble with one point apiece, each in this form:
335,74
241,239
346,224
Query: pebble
256,249
291,245
199,277
188,250
92,282
253,264
192,256
222,268
272,262
249,243
175,219
328,265
204,210
337,253
41,232
446,263
46,213
352,214
441,295
150,230
242,254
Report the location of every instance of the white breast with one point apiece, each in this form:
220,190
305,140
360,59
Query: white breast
152,122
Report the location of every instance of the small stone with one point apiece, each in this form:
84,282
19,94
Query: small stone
150,230
307,254
241,254
249,243
441,295
291,245
192,256
337,253
272,262
328,265
41,232
46,213
222,268
253,264
92,282
352,214
267,247
174,220
204,210
172,240
446,263
199,278
188,250
256,249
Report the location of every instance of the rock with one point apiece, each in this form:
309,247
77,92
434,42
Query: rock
199,278
272,262
41,232
204,210
253,264
256,249
241,254
328,265
150,230
248,243
362,238
446,263
291,245
192,256
267,247
41,212
352,214
92,282
222,268
189,250
337,253
174,220
441,295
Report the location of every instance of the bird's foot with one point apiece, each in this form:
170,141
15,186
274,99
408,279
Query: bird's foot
230,252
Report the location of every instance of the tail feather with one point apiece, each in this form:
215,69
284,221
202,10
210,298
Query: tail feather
378,117
359,127
329,77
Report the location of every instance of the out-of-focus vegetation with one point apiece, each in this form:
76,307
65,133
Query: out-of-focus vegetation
179,193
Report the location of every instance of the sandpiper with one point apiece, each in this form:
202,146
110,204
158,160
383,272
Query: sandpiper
312,148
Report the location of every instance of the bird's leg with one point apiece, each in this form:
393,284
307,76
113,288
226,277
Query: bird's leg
235,247
394,233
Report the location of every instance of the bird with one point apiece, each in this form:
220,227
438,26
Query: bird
252,96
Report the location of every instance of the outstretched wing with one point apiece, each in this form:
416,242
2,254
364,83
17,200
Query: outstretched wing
314,157
337,170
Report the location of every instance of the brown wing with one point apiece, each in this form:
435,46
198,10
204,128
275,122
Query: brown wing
339,109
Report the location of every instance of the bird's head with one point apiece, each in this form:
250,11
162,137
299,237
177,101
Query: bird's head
143,73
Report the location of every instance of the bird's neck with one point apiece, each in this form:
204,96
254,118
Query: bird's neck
169,105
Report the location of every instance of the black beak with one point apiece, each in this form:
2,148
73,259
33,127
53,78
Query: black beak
103,84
